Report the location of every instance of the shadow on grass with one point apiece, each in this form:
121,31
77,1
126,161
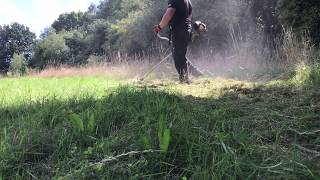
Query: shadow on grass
245,133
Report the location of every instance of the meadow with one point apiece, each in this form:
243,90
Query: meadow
98,127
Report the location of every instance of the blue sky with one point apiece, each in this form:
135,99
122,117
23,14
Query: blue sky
38,14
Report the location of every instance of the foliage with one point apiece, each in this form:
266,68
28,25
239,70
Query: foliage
46,32
79,48
120,18
51,51
97,37
302,16
131,21
71,21
249,20
164,135
139,36
15,38
108,9
18,65
113,10
80,126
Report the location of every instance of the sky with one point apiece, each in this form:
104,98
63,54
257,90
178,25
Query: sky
39,14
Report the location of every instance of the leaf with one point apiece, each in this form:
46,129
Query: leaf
163,134
91,124
146,142
165,140
77,122
88,151
161,125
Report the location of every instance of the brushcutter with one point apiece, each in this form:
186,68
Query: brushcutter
199,28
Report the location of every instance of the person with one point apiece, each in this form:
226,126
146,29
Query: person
178,17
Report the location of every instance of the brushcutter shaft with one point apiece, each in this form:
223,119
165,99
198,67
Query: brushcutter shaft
155,67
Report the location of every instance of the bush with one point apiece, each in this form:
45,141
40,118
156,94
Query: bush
18,65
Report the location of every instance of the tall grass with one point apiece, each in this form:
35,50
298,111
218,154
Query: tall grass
301,56
296,49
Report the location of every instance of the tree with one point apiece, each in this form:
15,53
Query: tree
78,47
51,51
71,21
108,9
97,37
15,38
266,22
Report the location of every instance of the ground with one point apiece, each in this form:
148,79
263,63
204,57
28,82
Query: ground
100,127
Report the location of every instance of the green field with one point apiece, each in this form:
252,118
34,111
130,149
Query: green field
101,128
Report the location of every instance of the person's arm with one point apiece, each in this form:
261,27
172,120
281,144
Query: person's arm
167,17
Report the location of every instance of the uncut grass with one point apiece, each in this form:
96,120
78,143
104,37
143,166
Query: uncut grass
27,89
244,132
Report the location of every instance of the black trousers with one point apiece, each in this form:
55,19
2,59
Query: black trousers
180,41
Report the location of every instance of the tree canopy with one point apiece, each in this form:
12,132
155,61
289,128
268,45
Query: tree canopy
15,38
71,21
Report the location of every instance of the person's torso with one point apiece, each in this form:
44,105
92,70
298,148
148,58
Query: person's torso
182,17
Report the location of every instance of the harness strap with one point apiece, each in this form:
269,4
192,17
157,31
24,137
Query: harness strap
170,35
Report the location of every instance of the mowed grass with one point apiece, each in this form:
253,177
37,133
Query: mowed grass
89,128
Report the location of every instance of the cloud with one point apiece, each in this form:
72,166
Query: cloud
38,14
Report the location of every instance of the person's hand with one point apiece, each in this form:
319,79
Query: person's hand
157,29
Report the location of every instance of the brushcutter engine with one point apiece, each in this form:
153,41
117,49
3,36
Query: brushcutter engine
199,27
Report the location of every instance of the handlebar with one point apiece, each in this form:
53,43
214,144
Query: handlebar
162,38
